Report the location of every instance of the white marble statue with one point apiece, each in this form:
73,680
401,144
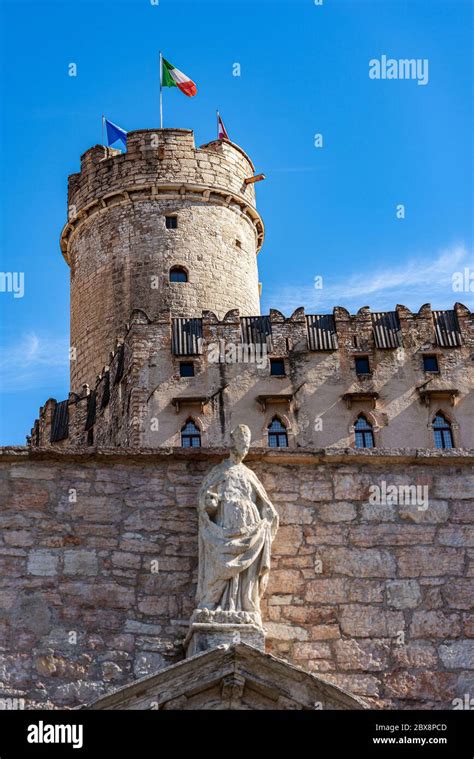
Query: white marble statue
237,524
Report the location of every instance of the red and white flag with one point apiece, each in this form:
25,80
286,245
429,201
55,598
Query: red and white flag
221,130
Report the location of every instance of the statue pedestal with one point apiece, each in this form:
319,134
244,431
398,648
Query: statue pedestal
210,629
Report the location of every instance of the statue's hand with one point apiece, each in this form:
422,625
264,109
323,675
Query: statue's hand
211,502
269,513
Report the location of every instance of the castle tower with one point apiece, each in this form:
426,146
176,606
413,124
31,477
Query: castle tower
134,217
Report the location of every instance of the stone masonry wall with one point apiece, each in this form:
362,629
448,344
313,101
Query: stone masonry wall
122,261
98,560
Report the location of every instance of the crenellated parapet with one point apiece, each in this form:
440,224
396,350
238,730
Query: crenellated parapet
316,373
161,157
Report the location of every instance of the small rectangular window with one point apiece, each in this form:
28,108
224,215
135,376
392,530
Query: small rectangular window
277,367
430,364
362,365
171,222
186,369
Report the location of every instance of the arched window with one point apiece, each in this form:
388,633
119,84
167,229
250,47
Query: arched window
190,435
277,436
364,434
443,437
178,274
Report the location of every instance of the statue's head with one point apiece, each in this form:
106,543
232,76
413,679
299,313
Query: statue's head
240,442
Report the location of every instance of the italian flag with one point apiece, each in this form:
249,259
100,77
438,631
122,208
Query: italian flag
173,77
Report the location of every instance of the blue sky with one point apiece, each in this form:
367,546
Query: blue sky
328,211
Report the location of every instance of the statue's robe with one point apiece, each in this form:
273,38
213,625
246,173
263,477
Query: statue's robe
235,540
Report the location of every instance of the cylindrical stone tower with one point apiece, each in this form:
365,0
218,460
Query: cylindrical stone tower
133,217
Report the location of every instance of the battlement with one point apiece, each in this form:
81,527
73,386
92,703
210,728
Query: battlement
160,163
141,397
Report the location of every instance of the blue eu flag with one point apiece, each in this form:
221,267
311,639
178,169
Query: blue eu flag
115,133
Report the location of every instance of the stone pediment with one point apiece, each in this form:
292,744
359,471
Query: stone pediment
236,677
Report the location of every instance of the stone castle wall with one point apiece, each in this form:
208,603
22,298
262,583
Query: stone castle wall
142,408
98,558
120,251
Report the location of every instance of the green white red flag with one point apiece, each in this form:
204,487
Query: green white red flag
173,77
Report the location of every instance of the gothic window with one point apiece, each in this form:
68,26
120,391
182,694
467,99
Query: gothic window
277,435
178,274
190,435
443,436
364,434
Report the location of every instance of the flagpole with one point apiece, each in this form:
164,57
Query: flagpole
217,117
103,127
161,91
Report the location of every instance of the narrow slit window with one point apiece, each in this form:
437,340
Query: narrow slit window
171,222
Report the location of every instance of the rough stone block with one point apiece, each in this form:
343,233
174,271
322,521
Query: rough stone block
437,511
430,561
339,511
43,563
370,621
362,655
419,655
326,591
403,594
422,686
366,591
285,632
313,650
434,624
458,654
357,562
459,594
80,562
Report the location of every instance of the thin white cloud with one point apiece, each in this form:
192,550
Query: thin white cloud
33,361
420,280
